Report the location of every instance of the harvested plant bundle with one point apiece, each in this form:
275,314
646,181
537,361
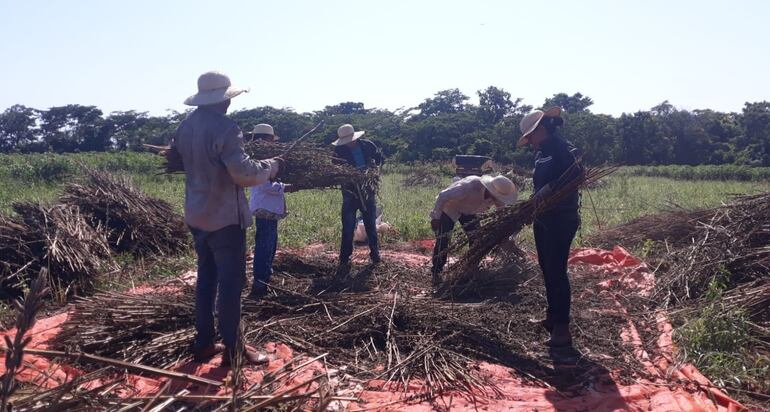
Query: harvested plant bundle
136,223
731,250
677,227
496,227
310,167
16,256
60,239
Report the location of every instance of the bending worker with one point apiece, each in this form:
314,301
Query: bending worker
461,201
556,163
217,169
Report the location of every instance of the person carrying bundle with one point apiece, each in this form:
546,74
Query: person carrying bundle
268,205
461,201
362,154
210,146
556,163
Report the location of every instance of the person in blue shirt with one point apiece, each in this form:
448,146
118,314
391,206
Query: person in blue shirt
556,163
362,154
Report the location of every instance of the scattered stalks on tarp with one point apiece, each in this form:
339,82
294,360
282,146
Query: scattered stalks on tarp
136,223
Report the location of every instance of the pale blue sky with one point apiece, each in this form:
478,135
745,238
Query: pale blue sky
146,55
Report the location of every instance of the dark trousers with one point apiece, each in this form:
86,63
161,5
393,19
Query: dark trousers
221,272
553,236
444,236
351,204
265,244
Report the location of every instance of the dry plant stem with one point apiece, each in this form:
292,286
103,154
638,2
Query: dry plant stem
15,349
127,366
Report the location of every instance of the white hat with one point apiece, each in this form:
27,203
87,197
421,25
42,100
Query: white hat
213,88
346,134
501,188
264,128
530,122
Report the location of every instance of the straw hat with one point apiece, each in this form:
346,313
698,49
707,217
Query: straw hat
530,122
213,88
501,188
264,128
346,134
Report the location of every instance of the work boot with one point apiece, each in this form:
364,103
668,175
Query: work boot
342,270
250,358
258,292
206,353
560,336
435,278
376,259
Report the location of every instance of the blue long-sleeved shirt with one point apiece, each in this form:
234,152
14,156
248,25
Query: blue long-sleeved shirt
554,160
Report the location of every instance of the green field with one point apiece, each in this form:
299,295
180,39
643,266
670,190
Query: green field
314,215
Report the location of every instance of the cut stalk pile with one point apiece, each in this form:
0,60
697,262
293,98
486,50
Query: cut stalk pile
136,223
57,238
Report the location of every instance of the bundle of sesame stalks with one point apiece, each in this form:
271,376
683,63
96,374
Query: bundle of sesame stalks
57,238
136,223
311,167
307,166
497,226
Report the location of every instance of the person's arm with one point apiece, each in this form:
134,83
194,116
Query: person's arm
453,192
244,171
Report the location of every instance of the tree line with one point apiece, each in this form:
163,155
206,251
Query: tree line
438,128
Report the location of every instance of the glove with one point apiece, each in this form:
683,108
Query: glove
435,224
290,188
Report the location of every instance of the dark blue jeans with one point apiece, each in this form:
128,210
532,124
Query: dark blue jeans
265,243
221,272
350,207
553,237
444,237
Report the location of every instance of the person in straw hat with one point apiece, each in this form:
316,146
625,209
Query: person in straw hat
556,163
217,169
362,154
460,202
268,205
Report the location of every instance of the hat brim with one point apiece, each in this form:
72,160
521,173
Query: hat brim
508,199
552,112
347,139
213,96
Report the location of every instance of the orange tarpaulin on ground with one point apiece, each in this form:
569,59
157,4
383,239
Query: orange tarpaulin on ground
620,272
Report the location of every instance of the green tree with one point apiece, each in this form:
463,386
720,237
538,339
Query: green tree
18,128
570,104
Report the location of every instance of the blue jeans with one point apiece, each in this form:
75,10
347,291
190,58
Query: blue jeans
222,269
444,237
350,206
265,243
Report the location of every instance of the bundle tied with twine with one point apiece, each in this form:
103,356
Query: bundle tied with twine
136,223
54,237
496,228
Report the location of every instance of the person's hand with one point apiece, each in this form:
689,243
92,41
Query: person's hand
280,167
290,188
435,224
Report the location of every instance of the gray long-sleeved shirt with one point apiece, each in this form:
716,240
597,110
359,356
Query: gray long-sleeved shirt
217,169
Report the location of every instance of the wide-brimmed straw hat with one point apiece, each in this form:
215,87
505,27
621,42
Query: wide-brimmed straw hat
502,188
530,122
346,134
264,128
213,87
